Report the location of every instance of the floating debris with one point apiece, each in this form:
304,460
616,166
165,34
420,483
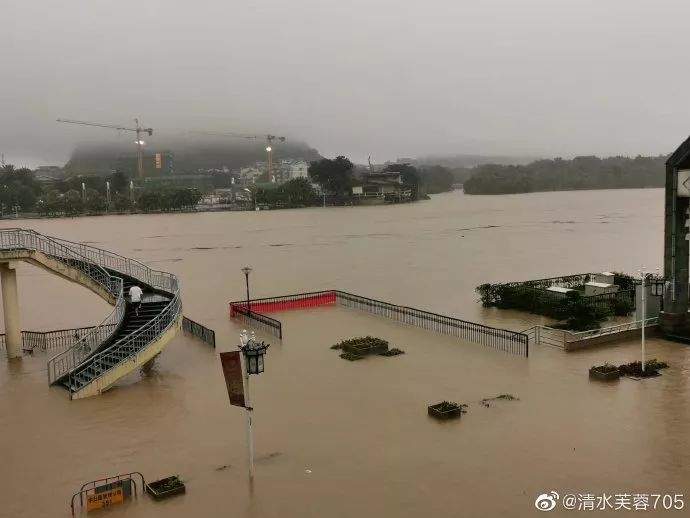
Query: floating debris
486,402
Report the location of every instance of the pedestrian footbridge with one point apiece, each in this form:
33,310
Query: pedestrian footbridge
124,341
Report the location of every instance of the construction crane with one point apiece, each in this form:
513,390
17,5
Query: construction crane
139,130
269,143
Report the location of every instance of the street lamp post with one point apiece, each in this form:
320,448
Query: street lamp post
643,276
269,150
247,270
253,353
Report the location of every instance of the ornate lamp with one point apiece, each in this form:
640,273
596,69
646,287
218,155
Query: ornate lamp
253,352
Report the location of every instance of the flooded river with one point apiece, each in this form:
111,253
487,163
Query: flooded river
352,439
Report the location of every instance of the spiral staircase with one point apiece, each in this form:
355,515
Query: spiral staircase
126,339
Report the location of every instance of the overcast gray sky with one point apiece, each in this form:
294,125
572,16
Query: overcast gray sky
390,78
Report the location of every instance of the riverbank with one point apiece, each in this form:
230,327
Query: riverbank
197,209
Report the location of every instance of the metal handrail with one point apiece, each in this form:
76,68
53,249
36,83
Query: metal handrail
155,278
26,239
574,336
628,326
134,342
91,260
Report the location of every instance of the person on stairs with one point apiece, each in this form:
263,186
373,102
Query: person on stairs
135,293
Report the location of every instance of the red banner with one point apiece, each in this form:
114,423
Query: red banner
232,370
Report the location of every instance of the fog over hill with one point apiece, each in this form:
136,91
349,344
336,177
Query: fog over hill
189,155
473,160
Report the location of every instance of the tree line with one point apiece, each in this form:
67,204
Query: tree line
337,176
21,192
585,172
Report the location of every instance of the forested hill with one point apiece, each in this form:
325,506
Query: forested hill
586,172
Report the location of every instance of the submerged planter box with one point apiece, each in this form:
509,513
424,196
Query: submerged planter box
165,487
444,410
604,375
366,348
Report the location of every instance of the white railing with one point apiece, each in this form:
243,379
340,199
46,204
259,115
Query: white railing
629,326
544,335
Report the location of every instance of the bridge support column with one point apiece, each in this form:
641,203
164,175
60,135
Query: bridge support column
10,304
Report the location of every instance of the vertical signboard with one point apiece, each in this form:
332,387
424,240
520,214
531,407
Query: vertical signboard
683,183
159,161
232,370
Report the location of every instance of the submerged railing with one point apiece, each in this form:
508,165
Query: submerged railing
199,331
562,338
252,318
502,339
49,340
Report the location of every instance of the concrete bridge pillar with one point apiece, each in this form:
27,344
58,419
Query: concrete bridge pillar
10,303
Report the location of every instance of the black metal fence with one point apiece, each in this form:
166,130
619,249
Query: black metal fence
199,331
502,339
257,320
512,342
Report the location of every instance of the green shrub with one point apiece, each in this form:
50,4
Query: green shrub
622,306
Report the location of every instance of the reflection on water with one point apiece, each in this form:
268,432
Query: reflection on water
338,438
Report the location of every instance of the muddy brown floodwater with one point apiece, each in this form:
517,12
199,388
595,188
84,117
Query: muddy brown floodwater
341,439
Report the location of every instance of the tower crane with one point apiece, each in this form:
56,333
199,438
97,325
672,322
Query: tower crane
138,129
269,143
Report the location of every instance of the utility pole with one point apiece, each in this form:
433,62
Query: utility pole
246,271
643,276
253,353
269,149
140,149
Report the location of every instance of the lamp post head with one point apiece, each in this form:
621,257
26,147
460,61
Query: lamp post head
268,148
247,270
253,352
